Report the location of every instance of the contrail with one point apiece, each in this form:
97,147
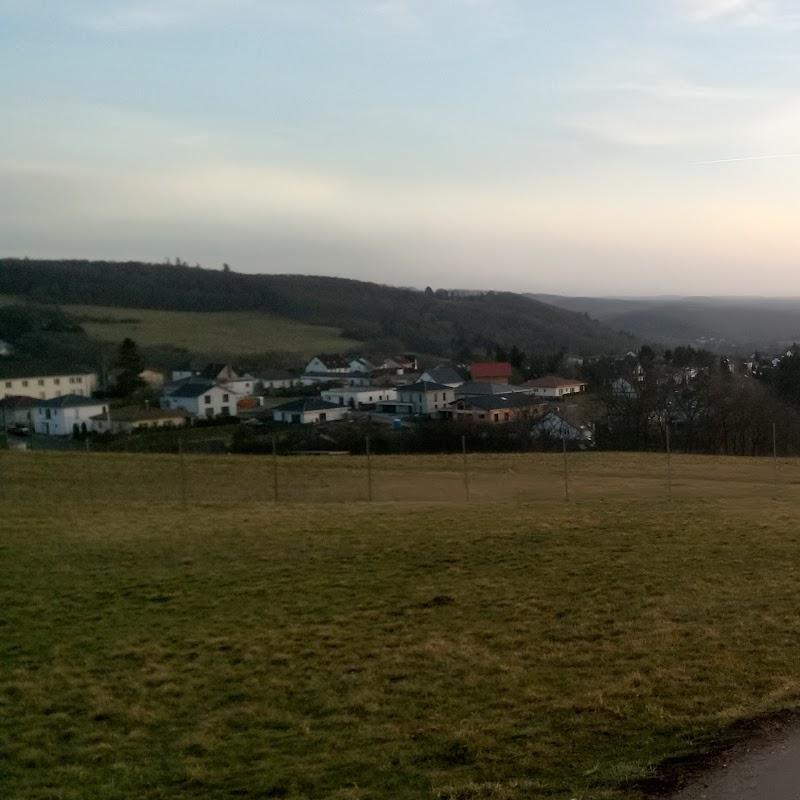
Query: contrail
751,158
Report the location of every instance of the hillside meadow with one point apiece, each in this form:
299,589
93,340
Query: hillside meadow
224,334
168,631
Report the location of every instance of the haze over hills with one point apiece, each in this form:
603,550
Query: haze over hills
381,317
724,324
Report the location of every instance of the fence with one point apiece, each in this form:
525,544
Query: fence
188,479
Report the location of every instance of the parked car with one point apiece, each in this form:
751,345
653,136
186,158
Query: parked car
19,430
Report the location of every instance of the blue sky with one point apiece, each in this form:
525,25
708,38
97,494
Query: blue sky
574,147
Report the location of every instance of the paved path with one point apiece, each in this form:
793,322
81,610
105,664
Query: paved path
769,770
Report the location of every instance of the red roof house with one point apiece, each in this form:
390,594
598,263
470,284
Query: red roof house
490,371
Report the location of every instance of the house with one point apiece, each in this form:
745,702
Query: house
330,363
442,374
276,379
491,371
16,411
359,397
66,415
498,408
400,364
309,411
225,375
553,387
154,378
338,378
622,387
201,399
426,398
134,418
46,387
5,349
562,425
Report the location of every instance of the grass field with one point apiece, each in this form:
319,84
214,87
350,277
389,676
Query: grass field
224,334
516,646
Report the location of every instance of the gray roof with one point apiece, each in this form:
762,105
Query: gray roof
424,386
307,404
191,388
494,401
480,388
444,374
69,401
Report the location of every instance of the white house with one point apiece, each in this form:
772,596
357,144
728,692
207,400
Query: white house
309,411
129,419
553,387
46,387
277,379
425,397
63,416
202,399
358,397
5,349
330,363
227,377
556,426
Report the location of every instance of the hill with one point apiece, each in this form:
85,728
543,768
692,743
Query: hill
382,317
725,324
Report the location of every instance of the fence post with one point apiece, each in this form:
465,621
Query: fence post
669,465
566,471
466,471
89,474
775,455
274,469
184,487
369,471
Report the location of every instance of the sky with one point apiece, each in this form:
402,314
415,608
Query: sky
622,147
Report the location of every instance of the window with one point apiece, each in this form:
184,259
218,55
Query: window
79,379
41,382
225,398
209,413
25,383
323,416
56,381
8,384
496,417
207,400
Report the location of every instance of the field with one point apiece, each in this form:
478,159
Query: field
214,334
168,631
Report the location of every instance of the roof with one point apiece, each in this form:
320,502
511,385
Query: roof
483,388
424,386
12,401
137,414
490,369
553,382
307,404
443,373
192,388
69,401
335,361
495,401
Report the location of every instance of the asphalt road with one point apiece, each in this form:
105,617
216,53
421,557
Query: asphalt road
769,770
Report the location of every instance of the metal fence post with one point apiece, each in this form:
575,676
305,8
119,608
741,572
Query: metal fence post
775,454
184,482
669,465
566,470
466,471
369,471
274,469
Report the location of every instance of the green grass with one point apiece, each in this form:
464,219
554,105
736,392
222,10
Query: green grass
514,647
224,334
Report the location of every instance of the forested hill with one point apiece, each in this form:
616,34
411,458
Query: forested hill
383,316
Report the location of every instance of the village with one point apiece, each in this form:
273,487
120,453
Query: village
330,388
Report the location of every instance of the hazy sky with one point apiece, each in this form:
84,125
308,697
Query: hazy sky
558,146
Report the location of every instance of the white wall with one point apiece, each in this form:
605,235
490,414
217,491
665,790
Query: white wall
216,402
359,397
60,421
310,417
428,402
46,387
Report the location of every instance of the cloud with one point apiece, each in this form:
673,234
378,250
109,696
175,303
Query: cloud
777,15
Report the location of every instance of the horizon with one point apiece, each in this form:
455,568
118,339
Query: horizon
457,142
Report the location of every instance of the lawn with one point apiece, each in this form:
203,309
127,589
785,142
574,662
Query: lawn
516,646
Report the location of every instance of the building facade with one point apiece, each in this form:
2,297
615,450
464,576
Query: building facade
66,415
46,387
